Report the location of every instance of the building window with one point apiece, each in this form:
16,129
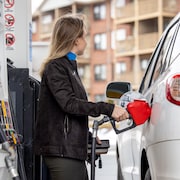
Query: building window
47,19
99,12
34,27
46,23
99,97
120,3
121,67
121,34
100,41
113,41
144,64
100,72
81,71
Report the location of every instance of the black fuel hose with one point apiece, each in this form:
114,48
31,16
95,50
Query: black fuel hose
93,156
15,178
96,124
2,135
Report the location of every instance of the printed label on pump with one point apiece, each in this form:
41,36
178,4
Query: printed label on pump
3,63
9,19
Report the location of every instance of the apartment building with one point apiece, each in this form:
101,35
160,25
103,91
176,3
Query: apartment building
121,36
139,25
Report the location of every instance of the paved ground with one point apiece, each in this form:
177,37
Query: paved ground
109,167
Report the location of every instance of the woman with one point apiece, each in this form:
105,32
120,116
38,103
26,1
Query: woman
62,121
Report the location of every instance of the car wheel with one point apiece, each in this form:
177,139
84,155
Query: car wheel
148,175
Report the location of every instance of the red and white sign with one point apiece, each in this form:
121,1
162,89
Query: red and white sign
8,3
10,39
3,58
9,19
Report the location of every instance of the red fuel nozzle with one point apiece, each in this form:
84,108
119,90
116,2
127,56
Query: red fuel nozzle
139,110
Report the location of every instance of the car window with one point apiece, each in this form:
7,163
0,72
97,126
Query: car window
175,49
146,79
158,60
162,58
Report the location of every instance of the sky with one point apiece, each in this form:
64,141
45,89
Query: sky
35,4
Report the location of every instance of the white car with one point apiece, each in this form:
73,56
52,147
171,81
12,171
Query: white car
152,150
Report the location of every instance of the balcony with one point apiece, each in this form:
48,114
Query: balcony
126,45
46,28
128,76
148,40
87,83
171,6
150,7
125,11
147,7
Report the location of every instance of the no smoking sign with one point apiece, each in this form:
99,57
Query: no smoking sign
9,3
10,39
9,20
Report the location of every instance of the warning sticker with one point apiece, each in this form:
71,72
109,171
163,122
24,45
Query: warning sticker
3,61
8,3
9,20
10,39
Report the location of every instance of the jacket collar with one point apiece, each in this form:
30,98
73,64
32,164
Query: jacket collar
71,56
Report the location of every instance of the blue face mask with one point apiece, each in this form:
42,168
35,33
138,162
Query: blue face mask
71,56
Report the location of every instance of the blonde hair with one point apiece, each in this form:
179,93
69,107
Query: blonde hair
66,30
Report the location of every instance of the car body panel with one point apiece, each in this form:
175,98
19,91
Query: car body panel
164,167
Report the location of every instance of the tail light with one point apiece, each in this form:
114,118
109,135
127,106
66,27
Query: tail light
173,89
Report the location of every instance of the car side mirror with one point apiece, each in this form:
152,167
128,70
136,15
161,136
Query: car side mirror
117,89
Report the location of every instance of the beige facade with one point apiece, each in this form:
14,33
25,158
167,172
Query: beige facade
121,36
143,22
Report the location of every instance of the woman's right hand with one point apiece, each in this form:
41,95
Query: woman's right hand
119,113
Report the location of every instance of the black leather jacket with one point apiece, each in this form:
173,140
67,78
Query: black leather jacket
62,117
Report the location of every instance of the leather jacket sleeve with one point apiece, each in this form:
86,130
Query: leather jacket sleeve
66,87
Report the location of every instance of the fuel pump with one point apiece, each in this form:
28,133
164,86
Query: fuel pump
7,133
14,44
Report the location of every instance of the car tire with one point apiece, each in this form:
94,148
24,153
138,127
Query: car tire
148,175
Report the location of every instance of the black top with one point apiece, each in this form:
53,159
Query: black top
62,117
